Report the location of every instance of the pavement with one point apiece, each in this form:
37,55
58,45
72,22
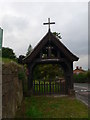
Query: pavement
82,92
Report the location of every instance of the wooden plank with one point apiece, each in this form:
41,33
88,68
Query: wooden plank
50,87
53,88
44,86
34,86
47,88
60,86
39,86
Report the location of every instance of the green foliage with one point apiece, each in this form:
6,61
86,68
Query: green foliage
20,58
47,72
13,65
57,35
22,76
29,50
80,78
7,60
8,53
88,75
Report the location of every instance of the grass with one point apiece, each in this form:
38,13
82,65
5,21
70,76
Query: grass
7,60
52,107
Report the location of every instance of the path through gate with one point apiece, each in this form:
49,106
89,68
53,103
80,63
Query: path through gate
48,87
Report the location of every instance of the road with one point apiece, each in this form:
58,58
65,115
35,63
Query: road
82,92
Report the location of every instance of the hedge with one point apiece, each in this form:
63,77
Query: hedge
82,77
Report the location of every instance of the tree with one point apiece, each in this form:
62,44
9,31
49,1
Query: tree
88,76
47,72
29,50
81,78
8,53
57,35
21,57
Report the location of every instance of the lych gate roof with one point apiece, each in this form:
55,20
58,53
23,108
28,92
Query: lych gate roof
52,38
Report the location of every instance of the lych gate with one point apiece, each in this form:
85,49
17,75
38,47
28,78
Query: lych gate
51,50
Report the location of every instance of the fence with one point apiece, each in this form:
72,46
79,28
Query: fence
48,87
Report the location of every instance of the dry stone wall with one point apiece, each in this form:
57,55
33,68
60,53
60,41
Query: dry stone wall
12,92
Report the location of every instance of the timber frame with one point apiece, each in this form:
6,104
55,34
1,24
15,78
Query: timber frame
51,50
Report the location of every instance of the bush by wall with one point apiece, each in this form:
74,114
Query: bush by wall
22,75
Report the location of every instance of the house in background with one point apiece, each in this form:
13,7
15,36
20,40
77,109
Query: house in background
78,70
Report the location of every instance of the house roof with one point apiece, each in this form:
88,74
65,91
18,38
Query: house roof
78,70
50,37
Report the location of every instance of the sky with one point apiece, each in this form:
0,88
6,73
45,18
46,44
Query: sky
22,23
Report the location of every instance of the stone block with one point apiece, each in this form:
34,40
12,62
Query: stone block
7,78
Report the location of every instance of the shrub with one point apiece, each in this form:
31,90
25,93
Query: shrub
8,53
22,76
80,78
88,75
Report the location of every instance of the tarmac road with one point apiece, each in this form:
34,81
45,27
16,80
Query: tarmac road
82,92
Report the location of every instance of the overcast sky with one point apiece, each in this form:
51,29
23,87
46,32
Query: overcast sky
22,23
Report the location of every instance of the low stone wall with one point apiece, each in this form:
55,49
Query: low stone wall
12,93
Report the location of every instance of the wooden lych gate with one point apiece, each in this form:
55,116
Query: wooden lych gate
50,50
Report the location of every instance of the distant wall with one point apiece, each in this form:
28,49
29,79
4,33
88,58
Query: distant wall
12,93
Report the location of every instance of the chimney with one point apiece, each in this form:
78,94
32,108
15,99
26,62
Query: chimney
77,67
80,68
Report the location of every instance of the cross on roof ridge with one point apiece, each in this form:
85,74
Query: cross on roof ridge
48,23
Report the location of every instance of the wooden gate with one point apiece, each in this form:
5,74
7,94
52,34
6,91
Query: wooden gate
48,87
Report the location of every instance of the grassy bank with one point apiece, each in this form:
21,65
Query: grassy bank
21,70
52,107
7,60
